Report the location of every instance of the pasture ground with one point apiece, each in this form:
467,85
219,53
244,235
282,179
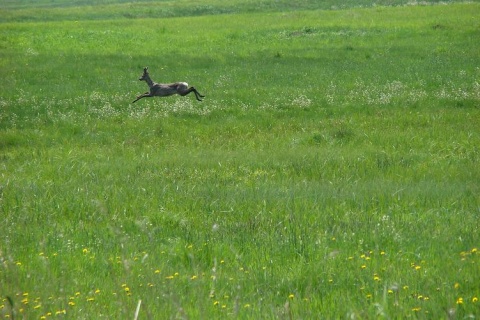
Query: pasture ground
332,170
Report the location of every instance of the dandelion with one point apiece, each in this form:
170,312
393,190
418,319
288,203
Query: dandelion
368,296
216,303
18,263
90,299
38,306
376,277
363,266
291,296
193,277
474,250
157,271
247,305
456,285
60,312
460,300
85,251
97,291
416,309
71,303
475,299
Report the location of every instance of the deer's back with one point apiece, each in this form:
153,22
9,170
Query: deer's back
167,89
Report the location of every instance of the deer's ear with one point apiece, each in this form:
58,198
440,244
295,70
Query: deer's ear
145,69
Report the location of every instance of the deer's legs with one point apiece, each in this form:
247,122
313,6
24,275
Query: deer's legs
146,94
192,89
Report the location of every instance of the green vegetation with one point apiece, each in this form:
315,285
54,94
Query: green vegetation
332,170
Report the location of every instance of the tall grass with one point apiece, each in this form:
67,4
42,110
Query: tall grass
332,170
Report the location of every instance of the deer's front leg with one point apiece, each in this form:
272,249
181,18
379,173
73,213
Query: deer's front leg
146,94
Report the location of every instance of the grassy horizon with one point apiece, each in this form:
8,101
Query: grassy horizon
331,171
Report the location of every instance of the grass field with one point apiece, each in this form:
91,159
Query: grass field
332,171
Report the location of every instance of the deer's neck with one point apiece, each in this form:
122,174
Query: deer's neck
149,81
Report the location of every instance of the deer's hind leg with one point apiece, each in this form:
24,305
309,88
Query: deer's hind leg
192,89
197,94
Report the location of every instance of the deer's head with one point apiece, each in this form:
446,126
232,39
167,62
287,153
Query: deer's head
144,75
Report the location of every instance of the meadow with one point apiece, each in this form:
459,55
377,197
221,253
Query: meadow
332,171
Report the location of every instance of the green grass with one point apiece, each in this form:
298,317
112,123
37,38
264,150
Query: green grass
331,171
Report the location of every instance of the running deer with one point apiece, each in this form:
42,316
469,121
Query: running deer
165,90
